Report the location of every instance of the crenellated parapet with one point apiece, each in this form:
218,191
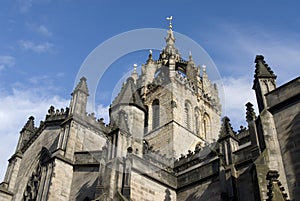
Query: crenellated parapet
160,160
56,114
192,158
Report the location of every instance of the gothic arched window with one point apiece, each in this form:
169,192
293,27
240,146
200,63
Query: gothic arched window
155,113
206,126
197,121
187,115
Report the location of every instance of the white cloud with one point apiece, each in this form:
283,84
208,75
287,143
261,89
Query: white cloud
281,55
235,47
39,28
238,91
102,112
24,5
6,61
36,47
15,108
42,29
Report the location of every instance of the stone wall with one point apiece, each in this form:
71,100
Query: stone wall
84,182
48,138
284,103
61,181
145,189
246,184
83,138
209,190
5,196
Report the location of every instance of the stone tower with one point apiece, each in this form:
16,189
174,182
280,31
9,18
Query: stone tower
181,104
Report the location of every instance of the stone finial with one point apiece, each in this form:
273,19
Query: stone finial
82,86
226,128
29,126
250,114
150,58
134,74
275,189
51,110
191,60
262,69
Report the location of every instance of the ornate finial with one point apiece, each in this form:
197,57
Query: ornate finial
262,69
204,68
250,114
150,59
226,128
134,67
170,21
82,86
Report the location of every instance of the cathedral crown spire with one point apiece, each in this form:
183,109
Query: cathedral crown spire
170,39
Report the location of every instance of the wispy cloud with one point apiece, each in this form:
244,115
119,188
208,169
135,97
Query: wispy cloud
6,61
238,91
281,55
42,29
15,108
235,47
102,112
24,5
36,47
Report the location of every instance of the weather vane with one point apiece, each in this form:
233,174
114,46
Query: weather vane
170,20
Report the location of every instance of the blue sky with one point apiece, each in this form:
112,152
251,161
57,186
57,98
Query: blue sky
44,43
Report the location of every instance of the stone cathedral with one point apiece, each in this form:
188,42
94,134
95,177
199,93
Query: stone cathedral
165,142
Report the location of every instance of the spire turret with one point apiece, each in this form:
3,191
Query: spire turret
29,126
79,98
226,129
250,114
262,69
129,95
26,133
82,86
264,81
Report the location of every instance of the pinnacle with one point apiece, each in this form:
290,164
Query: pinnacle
128,95
82,86
250,114
262,69
226,129
29,125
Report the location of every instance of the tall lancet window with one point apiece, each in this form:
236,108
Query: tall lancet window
206,125
187,115
197,121
155,114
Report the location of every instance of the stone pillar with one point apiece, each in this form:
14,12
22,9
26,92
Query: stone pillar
12,172
270,158
251,117
127,174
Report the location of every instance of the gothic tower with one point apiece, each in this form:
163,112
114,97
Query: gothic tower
178,105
